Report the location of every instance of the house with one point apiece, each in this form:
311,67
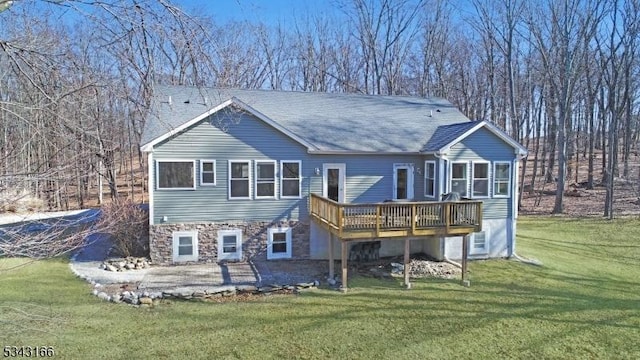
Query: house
245,174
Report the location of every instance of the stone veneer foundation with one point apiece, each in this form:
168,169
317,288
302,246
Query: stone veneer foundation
254,240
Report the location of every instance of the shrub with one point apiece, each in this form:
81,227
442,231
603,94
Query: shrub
128,225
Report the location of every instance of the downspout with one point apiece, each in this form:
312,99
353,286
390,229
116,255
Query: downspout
150,183
442,171
511,249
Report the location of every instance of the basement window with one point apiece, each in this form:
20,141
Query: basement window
230,244
479,244
185,246
279,243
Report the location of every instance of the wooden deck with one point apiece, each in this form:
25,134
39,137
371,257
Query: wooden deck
396,219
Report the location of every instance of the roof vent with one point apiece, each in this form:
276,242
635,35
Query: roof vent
170,102
187,101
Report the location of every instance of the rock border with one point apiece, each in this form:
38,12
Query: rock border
151,298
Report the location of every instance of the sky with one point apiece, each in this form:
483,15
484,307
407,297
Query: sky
267,11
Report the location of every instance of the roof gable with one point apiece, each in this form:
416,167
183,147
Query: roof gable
447,136
230,103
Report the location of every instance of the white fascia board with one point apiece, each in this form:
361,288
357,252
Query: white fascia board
519,149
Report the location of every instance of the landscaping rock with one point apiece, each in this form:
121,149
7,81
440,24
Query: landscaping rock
146,301
246,288
110,267
104,296
129,263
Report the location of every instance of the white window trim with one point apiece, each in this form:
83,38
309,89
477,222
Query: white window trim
431,162
248,182
233,256
493,182
157,169
466,164
487,244
473,170
282,178
410,183
215,173
176,244
278,230
275,178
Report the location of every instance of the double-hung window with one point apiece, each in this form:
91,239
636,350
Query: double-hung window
430,179
207,172
459,178
290,179
479,243
230,244
239,179
176,174
185,246
279,243
501,179
480,184
265,179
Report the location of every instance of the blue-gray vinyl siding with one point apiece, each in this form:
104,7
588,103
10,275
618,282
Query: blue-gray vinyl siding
369,178
483,145
243,138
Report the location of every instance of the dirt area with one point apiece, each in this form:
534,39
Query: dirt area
578,200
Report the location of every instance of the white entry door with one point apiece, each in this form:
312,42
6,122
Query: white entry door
333,181
402,181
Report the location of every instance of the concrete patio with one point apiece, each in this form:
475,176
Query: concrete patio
86,264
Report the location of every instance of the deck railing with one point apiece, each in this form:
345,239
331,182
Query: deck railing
397,218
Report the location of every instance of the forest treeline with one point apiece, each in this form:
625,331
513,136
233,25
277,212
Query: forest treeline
76,77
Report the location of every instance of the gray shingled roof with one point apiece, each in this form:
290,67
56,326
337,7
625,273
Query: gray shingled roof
445,134
325,121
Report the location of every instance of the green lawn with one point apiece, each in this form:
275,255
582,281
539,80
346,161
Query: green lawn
584,303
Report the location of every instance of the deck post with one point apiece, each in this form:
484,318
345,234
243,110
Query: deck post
465,251
343,263
407,262
331,260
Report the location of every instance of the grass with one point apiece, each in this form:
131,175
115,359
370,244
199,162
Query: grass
584,303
